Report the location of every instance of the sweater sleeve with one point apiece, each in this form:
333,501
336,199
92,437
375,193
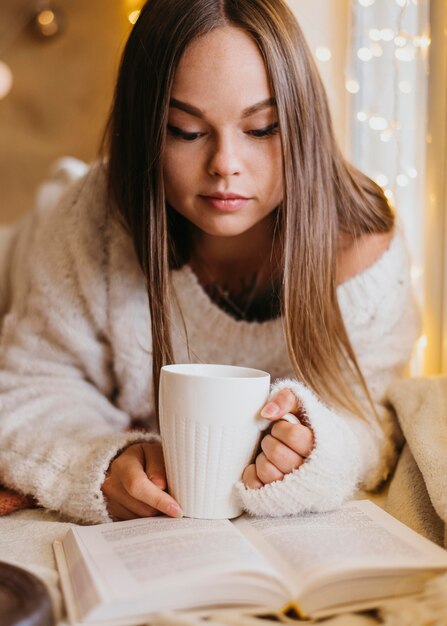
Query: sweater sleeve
350,453
59,427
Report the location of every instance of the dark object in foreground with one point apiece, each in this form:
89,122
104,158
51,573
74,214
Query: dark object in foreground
24,599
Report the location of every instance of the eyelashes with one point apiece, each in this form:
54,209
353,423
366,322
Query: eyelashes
258,133
268,131
180,134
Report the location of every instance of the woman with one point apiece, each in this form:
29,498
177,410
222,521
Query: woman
223,225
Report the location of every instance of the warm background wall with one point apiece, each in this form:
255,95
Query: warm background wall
63,86
60,95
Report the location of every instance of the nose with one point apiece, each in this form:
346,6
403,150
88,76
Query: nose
224,160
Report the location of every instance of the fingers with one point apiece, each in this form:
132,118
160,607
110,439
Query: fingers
250,478
283,451
121,505
129,486
119,513
139,487
280,455
261,473
281,403
266,471
297,437
287,446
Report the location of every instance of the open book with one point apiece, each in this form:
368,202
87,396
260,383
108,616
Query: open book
316,564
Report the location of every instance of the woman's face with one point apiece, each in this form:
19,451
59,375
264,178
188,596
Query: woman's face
222,163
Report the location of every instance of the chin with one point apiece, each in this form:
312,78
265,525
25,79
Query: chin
224,230
232,224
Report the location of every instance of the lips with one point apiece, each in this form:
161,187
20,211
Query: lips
225,196
225,202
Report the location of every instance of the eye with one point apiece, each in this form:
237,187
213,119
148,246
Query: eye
268,131
181,134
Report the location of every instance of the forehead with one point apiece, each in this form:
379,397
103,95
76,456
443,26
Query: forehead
222,69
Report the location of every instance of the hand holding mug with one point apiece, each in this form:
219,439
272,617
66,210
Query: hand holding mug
287,445
135,484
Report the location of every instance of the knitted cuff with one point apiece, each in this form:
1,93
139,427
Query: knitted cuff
78,494
327,478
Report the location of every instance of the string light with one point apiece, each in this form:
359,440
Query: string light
133,10
416,272
400,41
352,86
133,16
364,54
43,20
386,136
401,35
375,34
419,356
46,18
378,123
423,341
422,42
381,180
46,22
386,34
323,54
6,80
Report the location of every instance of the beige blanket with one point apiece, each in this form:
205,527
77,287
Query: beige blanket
417,494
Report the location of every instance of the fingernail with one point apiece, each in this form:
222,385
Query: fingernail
174,510
270,410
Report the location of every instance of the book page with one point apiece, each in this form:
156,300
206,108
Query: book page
358,535
130,557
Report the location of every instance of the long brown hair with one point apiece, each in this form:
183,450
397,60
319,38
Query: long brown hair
324,196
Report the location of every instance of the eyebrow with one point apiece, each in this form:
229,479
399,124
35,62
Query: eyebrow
251,110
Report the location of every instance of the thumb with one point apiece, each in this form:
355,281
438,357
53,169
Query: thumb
281,403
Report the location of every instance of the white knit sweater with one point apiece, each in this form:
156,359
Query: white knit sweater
75,361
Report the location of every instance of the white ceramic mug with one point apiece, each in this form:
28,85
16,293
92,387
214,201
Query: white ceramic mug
210,425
